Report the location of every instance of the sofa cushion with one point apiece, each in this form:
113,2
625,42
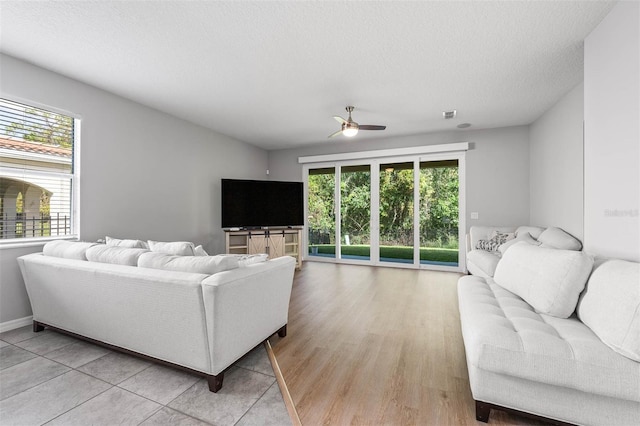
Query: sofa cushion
482,263
113,254
197,264
67,249
126,243
610,306
557,238
505,335
177,248
550,280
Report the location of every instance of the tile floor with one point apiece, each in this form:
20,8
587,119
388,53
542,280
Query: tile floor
50,378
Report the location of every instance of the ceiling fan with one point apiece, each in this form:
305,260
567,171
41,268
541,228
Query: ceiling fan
349,128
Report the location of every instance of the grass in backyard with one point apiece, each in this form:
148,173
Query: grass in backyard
394,252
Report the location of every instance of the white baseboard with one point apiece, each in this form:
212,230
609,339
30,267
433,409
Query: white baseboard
16,323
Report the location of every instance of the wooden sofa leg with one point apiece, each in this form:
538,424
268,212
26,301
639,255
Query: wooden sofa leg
37,327
215,382
283,331
482,411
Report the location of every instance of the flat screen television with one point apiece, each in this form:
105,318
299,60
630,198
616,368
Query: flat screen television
261,203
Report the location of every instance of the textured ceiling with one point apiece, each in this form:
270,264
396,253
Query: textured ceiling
274,73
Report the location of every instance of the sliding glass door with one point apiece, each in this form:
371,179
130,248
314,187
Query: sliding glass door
439,213
321,217
355,212
402,211
396,209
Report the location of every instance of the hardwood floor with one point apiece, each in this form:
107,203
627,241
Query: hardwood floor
377,346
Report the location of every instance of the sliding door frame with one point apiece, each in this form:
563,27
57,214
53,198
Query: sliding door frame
374,159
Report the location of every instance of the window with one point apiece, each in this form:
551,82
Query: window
38,172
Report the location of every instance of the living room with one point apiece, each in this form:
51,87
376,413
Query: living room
573,166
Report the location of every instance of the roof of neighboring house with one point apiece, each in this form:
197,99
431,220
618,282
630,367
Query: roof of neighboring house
35,147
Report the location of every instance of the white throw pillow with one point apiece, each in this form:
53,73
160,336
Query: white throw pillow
610,306
199,251
126,243
196,264
177,248
523,236
249,259
67,249
117,255
534,231
550,280
557,238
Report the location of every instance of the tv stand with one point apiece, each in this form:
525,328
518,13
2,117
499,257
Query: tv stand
276,242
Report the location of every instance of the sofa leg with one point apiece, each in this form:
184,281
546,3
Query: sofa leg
215,382
482,411
283,331
37,327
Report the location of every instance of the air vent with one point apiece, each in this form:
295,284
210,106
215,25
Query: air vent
448,114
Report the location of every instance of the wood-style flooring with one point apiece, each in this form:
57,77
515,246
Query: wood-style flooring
377,346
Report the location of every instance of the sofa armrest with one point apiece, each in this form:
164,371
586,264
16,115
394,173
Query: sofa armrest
245,306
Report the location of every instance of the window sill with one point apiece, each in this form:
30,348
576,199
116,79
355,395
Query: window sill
32,242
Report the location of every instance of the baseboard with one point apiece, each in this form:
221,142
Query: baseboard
16,323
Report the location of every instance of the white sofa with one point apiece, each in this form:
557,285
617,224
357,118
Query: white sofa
552,336
202,321
482,259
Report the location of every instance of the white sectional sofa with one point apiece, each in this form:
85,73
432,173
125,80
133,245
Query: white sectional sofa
486,244
552,336
201,313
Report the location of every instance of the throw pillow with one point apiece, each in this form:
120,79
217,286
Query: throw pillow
610,306
176,248
550,280
126,243
196,264
113,254
497,239
524,236
557,238
67,249
199,251
249,259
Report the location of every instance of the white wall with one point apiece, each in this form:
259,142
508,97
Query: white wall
497,168
144,174
612,135
556,165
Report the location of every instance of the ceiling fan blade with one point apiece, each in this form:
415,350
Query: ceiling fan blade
371,127
340,119
333,135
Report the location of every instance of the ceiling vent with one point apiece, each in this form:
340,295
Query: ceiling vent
448,114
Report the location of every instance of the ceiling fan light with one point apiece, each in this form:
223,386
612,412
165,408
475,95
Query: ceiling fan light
350,132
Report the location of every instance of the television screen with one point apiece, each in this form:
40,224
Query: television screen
261,203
